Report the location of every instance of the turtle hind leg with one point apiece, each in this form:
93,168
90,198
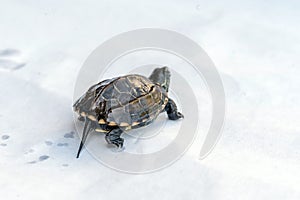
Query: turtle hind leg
113,137
171,110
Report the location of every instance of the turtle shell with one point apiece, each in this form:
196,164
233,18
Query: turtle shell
128,101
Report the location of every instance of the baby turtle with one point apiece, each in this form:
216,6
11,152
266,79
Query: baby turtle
123,103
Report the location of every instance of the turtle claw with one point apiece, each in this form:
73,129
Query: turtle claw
175,116
118,149
180,115
118,143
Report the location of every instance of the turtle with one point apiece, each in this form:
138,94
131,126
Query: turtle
127,102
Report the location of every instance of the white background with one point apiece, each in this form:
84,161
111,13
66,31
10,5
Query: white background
255,46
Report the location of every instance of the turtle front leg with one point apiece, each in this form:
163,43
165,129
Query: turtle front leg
113,137
171,110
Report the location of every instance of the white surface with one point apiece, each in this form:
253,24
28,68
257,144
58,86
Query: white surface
255,46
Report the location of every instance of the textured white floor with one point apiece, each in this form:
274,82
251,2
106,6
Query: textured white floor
255,46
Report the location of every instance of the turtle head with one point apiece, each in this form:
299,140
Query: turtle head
161,76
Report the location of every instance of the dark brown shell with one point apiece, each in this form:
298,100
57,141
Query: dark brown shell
128,101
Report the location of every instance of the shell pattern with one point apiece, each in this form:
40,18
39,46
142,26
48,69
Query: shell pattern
128,101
